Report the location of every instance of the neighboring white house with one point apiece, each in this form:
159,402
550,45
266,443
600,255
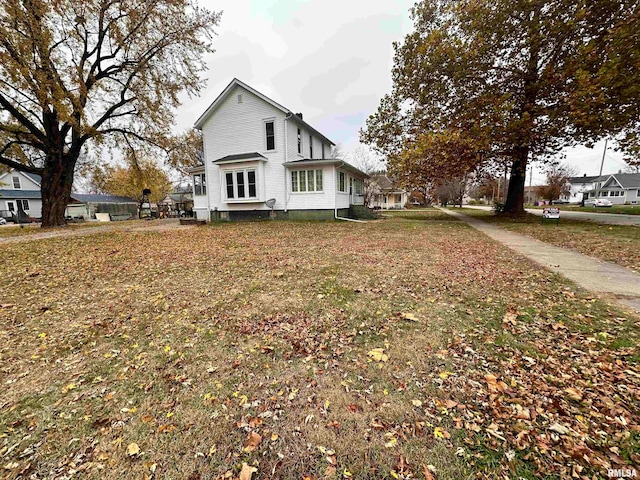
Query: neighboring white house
385,195
579,188
256,150
619,188
20,191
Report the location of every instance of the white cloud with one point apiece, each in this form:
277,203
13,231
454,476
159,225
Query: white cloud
330,60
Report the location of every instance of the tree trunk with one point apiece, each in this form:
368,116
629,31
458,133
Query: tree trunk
514,203
57,180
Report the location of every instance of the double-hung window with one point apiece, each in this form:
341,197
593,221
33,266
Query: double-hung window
199,184
342,182
306,181
299,141
357,187
270,134
241,184
16,183
23,205
310,146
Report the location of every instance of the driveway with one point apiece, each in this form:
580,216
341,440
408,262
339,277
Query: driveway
608,218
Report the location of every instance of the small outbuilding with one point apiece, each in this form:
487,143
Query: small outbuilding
86,205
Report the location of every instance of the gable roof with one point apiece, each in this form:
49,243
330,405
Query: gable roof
227,91
628,180
31,176
97,198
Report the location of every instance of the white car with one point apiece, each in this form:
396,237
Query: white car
2,221
599,202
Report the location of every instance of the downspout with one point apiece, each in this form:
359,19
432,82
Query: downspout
286,159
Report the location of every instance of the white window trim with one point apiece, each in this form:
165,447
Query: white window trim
13,203
310,146
23,203
300,151
345,182
314,170
275,134
13,182
235,199
203,185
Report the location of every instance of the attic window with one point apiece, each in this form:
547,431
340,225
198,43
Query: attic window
240,98
16,182
299,142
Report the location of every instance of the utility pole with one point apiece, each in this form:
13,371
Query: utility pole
530,184
604,152
505,182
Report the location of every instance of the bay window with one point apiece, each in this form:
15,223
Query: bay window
241,184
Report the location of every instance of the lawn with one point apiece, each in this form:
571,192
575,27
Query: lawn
622,209
31,229
612,243
410,347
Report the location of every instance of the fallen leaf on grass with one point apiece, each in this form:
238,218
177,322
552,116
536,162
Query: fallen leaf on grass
253,440
133,450
573,394
427,472
378,355
561,429
409,316
247,472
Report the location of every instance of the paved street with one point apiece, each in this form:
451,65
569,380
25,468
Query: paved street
608,218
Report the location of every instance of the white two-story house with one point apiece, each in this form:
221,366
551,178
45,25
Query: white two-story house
262,160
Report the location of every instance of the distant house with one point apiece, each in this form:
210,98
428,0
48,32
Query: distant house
619,188
261,159
579,186
20,192
532,195
179,200
386,195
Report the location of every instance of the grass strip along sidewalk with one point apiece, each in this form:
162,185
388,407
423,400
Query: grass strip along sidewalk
612,243
410,347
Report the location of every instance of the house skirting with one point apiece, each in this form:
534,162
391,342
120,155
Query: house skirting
239,215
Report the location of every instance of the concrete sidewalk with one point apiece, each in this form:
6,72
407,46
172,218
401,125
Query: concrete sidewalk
589,273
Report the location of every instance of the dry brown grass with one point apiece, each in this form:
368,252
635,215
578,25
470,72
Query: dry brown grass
184,342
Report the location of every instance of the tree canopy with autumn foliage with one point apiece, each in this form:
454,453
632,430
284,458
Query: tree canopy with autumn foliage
80,74
481,83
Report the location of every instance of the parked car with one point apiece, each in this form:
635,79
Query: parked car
559,201
2,221
599,202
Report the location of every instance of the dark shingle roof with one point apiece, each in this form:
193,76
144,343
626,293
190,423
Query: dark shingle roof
96,198
240,156
583,179
19,194
628,180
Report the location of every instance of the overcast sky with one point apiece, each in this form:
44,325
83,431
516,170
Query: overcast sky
329,59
